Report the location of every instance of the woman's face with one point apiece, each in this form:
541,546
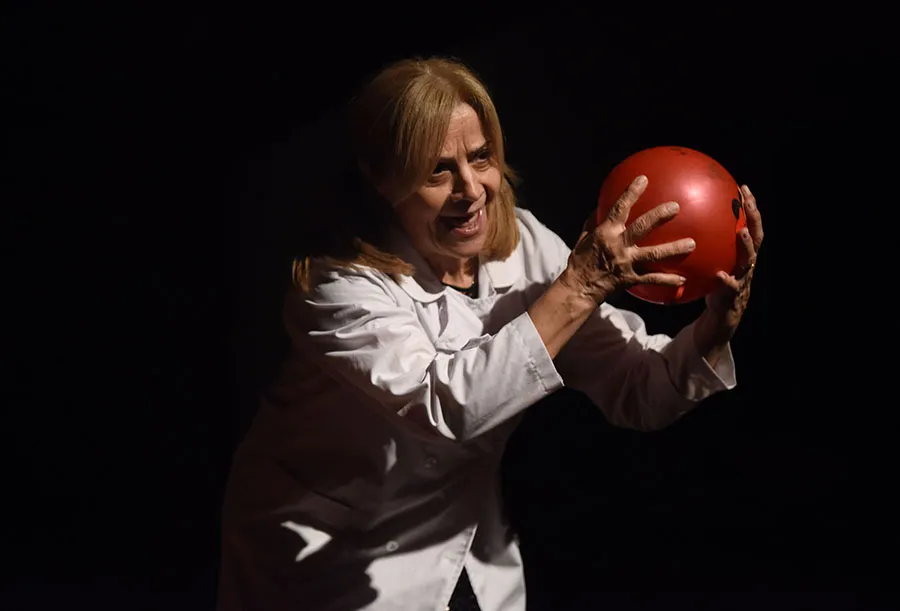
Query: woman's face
447,217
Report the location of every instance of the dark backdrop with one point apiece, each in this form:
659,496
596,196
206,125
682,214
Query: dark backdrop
162,160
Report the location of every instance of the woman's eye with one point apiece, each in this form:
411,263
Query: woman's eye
483,156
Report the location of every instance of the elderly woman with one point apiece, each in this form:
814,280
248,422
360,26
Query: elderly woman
370,476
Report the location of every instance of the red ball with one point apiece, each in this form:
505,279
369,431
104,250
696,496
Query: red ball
711,212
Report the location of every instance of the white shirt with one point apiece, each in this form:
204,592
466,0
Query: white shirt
370,475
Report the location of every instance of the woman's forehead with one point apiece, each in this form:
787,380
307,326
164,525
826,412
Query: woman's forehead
464,129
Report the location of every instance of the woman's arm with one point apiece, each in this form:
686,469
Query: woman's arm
559,312
639,381
351,325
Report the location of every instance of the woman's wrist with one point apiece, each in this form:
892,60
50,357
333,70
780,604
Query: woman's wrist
589,294
711,336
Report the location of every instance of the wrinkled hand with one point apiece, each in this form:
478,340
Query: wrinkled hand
606,258
728,303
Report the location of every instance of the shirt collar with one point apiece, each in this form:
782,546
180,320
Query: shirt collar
424,286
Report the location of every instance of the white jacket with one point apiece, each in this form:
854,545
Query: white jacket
370,475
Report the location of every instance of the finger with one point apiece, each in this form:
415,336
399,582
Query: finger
730,281
648,254
747,254
659,278
619,211
651,219
754,219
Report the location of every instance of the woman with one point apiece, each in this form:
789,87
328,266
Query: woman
370,477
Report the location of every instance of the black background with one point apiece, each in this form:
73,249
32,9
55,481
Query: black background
159,159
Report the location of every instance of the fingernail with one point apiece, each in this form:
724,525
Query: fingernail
745,233
674,207
640,181
691,244
682,279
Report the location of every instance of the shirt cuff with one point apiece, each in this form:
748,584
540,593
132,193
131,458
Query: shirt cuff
695,378
539,361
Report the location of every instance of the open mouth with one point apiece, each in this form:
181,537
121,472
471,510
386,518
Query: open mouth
463,226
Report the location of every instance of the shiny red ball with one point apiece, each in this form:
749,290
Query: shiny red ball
711,212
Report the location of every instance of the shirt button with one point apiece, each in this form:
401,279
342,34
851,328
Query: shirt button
392,546
430,462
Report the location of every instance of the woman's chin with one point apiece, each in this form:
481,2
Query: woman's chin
465,249
464,245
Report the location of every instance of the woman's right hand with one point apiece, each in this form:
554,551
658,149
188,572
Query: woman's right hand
606,259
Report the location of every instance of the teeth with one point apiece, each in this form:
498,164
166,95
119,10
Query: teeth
464,222
465,216
472,220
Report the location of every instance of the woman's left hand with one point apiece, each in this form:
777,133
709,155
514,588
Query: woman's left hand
726,304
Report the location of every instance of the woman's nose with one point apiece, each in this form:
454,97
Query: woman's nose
467,186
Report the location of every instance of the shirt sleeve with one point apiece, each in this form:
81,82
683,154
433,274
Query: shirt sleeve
639,381
352,326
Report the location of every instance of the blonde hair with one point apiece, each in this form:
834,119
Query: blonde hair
397,125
